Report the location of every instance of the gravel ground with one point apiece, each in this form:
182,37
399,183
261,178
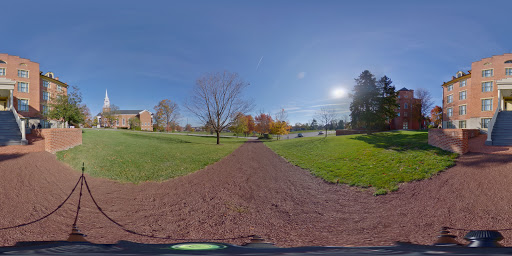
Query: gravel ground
254,191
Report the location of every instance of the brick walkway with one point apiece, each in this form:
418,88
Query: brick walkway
35,144
477,145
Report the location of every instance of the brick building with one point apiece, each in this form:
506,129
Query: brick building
472,98
24,87
123,117
407,116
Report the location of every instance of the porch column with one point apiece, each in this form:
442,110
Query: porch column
10,100
500,102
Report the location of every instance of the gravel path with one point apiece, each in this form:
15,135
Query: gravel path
254,191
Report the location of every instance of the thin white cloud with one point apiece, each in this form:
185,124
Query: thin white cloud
301,75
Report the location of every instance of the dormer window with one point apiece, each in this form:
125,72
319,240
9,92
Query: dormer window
49,74
508,61
459,74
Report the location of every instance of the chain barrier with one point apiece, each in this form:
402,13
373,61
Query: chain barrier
82,180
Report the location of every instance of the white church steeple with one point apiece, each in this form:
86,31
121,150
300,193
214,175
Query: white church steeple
106,102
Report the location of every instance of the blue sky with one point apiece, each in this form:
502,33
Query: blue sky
146,51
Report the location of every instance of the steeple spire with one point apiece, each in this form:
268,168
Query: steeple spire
106,102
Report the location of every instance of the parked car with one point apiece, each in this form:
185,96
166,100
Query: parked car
300,135
320,133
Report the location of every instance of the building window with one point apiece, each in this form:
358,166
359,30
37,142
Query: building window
486,104
45,110
46,84
487,86
124,122
22,105
462,95
508,71
450,125
462,124
405,106
450,87
398,114
399,96
449,112
462,110
59,88
449,99
2,71
485,122
399,106
407,96
23,73
487,72
22,87
46,95
462,83
406,125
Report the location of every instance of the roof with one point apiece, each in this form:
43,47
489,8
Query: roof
404,89
128,112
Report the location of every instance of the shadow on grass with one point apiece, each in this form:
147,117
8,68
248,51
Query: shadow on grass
167,139
400,142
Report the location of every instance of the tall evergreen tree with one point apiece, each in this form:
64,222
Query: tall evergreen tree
365,102
388,103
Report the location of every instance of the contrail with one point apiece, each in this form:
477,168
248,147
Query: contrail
259,62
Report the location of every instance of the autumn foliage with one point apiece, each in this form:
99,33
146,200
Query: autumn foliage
436,115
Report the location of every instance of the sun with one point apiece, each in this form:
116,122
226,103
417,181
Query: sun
339,93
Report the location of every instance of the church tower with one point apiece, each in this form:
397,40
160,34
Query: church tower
106,103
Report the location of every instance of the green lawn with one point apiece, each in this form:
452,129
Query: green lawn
143,156
382,160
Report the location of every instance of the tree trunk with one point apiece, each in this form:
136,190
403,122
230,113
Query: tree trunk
218,138
326,132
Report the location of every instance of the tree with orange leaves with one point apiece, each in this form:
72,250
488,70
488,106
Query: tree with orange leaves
263,123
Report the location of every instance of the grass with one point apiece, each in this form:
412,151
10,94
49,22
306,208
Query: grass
381,161
143,156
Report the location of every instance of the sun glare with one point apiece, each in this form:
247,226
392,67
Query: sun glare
339,93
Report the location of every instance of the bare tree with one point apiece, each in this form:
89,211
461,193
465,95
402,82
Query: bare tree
326,116
217,98
423,104
166,113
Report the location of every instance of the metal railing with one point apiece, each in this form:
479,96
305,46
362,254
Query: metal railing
491,125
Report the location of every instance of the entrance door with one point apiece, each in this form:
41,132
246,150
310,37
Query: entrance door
3,105
508,105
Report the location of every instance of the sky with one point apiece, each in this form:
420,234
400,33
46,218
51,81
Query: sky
296,55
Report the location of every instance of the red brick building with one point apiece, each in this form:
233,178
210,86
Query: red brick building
24,87
123,117
406,119
470,99
481,98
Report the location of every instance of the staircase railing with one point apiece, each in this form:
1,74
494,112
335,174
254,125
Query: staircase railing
21,123
491,126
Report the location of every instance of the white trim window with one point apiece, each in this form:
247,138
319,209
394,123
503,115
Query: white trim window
46,84
449,112
486,104
463,83
462,124
485,122
462,95
46,95
2,71
462,110
44,110
450,87
450,125
22,87
487,86
508,71
59,88
449,98
22,105
405,125
487,72
22,73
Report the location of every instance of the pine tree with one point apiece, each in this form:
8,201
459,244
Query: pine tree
366,102
388,103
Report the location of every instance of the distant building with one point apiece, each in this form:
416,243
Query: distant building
123,117
406,113
25,88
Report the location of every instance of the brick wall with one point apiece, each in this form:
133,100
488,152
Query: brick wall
59,139
454,140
